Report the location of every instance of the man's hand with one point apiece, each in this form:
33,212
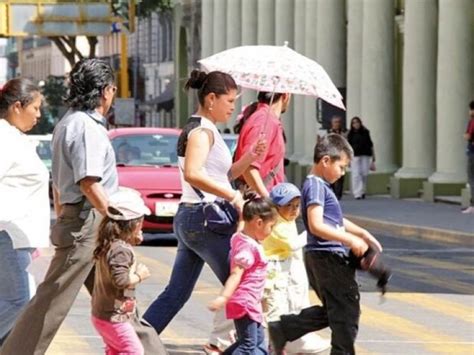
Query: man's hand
95,193
259,148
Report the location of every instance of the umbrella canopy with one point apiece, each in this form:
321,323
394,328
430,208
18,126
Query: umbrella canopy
275,69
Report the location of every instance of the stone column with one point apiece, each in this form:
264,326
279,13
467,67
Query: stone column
207,34
377,83
219,26
249,22
311,126
284,17
354,57
296,173
266,22
234,20
248,37
325,43
455,84
331,39
419,97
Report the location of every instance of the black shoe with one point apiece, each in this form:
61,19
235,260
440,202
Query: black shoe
363,196
277,337
383,281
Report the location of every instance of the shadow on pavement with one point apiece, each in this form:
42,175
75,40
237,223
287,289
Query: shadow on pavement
174,349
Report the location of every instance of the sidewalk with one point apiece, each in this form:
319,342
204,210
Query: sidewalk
411,218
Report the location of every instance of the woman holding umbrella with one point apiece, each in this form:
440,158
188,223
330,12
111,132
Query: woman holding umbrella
262,118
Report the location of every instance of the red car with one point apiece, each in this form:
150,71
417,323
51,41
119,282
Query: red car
147,162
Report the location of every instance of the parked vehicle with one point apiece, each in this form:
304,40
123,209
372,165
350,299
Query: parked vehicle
147,162
231,141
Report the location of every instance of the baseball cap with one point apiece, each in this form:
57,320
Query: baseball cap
283,193
129,203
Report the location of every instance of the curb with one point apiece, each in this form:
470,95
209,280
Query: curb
417,232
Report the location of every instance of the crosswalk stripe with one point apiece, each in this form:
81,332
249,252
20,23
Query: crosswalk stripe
442,282
212,289
405,331
435,304
68,340
438,264
432,340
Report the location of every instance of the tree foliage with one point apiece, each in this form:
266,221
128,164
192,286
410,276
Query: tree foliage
67,44
53,91
146,7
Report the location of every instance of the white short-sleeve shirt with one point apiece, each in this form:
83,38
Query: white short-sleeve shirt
24,202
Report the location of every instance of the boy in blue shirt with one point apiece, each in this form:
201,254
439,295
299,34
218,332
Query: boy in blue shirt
336,247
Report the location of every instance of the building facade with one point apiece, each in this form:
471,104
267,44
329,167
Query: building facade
37,58
407,68
150,51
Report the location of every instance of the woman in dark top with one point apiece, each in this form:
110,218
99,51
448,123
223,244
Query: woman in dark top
364,157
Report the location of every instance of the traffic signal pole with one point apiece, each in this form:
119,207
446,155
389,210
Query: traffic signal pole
124,92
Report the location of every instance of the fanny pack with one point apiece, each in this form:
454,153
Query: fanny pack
220,216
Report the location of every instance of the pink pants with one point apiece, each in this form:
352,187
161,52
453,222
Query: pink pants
119,338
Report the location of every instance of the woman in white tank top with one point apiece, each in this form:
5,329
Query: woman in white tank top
206,165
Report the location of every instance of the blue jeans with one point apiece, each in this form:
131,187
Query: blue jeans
14,282
196,246
250,338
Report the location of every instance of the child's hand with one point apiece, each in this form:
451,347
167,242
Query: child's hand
142,271
217,303
370,239
358,246
138,238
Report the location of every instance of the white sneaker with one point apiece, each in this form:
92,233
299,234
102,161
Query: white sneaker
468,210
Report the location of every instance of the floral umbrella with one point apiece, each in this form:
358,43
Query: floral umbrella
275,69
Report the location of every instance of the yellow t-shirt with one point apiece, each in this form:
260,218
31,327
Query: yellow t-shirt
282,241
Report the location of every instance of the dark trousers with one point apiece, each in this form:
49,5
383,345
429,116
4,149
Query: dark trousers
470,174
71,267
333,279
250,338
338,187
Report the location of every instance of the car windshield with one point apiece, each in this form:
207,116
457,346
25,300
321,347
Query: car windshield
43,149
146,149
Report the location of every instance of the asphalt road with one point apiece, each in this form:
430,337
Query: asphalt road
429,308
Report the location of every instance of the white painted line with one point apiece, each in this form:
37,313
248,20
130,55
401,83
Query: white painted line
407,250
414,342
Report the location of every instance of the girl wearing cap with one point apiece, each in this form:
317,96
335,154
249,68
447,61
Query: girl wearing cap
117,273
286,289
